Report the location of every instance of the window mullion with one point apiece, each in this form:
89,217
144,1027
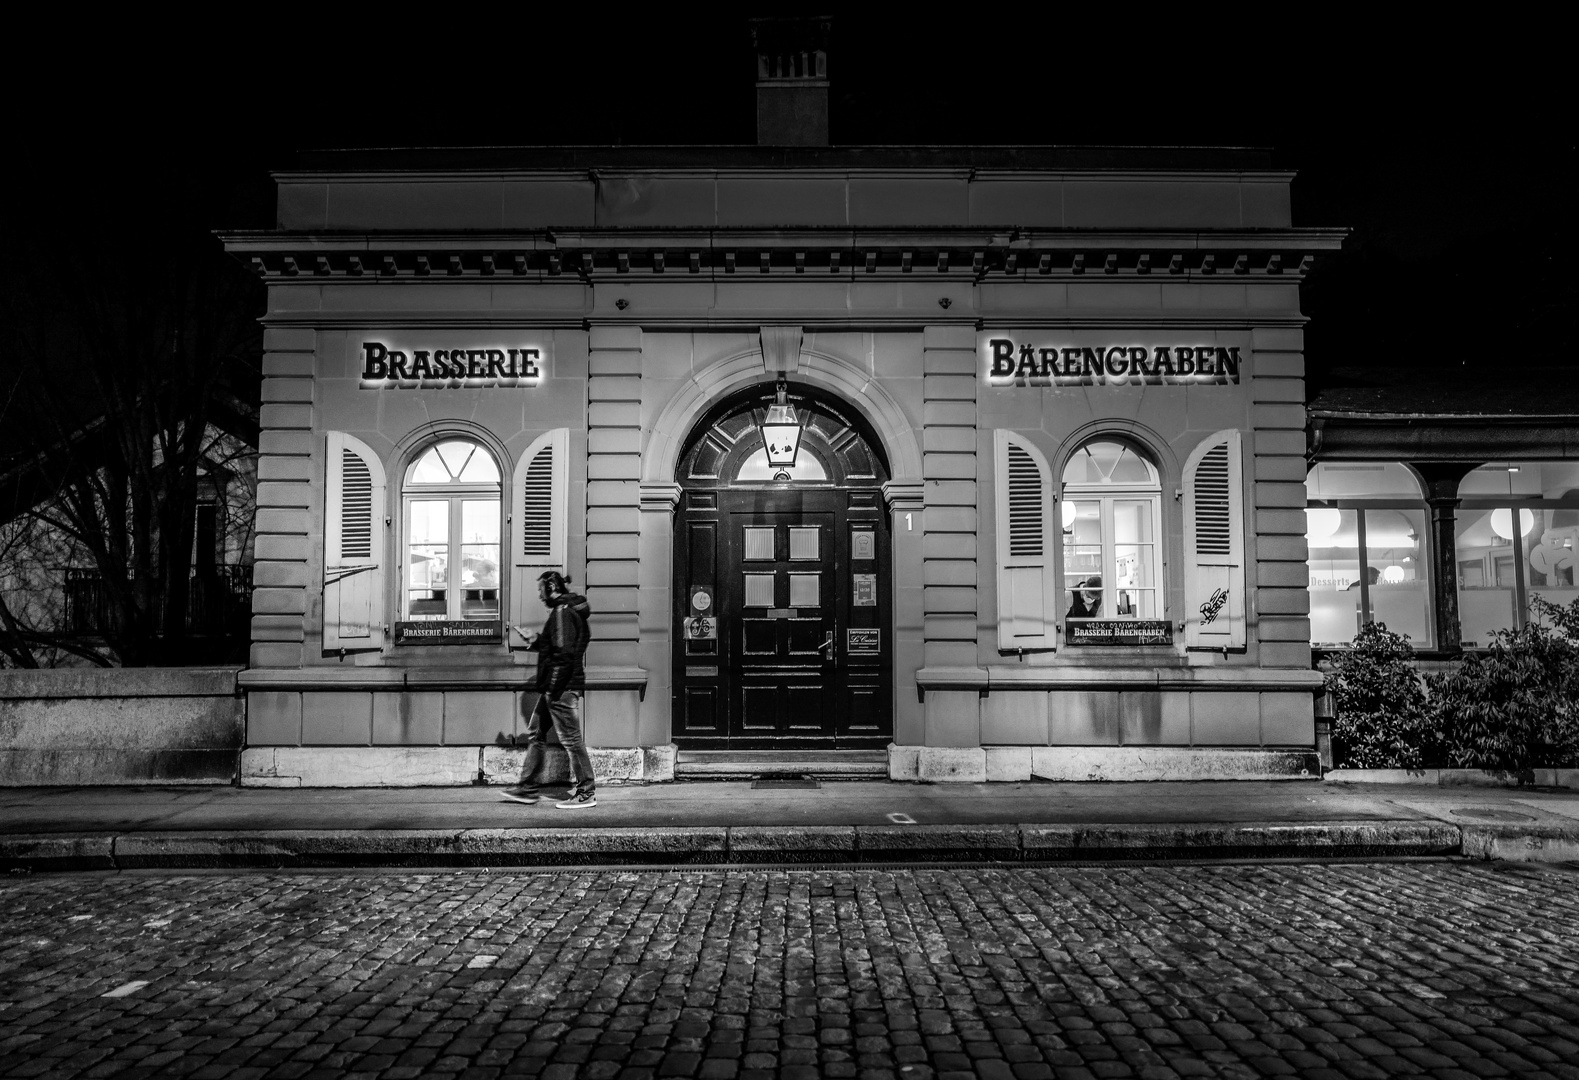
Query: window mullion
452,576
1109,562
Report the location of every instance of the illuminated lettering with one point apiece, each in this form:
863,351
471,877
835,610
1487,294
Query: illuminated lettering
1027,365
1030,363
1002,358
382,365
1137,363
374,358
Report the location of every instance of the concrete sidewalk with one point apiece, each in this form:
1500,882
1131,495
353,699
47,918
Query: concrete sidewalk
712,823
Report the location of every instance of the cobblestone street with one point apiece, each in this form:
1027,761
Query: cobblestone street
1342,970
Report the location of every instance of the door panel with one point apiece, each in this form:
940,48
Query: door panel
801,588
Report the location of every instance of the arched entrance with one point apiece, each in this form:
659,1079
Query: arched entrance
783,620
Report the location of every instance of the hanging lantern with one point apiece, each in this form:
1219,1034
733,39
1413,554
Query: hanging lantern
781,433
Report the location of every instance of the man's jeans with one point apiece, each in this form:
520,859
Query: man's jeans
565,715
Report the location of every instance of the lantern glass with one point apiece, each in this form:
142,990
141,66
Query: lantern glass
781,436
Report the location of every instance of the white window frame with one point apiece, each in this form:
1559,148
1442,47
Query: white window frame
1106,495
455,493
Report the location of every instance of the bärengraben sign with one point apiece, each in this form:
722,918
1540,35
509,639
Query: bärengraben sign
1020,362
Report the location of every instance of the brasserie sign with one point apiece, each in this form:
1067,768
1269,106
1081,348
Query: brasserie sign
383,366
448,632
1019,362
1118,632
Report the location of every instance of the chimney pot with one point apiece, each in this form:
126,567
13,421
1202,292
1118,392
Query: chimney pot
792,80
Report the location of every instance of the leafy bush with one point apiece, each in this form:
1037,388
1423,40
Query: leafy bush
1382,719
1516,707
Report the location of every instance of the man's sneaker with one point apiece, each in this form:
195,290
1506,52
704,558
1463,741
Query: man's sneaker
517,795
576,802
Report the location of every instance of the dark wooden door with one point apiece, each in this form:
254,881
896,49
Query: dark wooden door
796,651
779,574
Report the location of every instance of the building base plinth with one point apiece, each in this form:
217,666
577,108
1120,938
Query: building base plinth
439,766
946,764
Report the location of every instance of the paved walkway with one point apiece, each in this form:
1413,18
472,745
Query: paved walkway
733,822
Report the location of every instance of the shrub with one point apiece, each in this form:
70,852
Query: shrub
1517,706
1382,720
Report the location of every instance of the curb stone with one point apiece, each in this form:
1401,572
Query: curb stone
872,845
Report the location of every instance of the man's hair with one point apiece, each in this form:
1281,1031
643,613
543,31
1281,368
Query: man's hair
557,582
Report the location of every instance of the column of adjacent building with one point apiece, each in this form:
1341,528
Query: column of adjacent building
953,619
284,528
614,504
1282,572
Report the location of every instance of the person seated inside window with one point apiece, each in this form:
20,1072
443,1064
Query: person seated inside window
1372,575
1087,603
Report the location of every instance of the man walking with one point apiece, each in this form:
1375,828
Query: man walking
561,682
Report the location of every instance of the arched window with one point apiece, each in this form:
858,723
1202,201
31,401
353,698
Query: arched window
1111,519
1516,536
1367,533
452,516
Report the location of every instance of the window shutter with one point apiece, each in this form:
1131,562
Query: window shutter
353,561
1214,539
538,495
1027,601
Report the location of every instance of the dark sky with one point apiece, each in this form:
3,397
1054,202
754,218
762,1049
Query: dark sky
1450,153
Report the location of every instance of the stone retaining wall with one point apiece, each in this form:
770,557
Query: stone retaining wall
71,726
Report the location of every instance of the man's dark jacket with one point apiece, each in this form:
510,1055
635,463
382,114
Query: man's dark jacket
562,646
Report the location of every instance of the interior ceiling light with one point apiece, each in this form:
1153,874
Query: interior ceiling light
1502,522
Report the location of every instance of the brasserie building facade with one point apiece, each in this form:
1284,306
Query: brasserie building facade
935,464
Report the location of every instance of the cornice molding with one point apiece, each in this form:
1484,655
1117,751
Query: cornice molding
623,255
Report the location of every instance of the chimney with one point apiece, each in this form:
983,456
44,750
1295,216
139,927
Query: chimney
792,80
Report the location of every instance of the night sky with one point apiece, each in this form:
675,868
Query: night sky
1449,153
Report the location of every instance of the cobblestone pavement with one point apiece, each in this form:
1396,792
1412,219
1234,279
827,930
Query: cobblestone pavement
1341,970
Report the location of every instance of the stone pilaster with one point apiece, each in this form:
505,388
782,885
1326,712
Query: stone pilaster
656,609
952,614
1281,574
289,550
614,495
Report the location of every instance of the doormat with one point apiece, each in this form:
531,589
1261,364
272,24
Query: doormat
785,782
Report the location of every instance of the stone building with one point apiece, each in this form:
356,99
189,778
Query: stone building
938,463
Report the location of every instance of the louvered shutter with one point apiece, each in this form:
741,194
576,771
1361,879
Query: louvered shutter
1027,611
1214,531
538,495
353,562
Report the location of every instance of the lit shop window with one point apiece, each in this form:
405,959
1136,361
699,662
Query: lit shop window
452,523
1516,535
1110,515
1366,527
